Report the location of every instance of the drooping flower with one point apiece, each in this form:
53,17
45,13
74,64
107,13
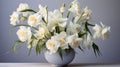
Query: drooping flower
14,18
52,45
75,8
24,33
34,20
74,41
101,31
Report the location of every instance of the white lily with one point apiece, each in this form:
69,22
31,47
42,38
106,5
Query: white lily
24,33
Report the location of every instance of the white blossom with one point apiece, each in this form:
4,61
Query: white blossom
24,33
34,20
22,6
74,41
52,45
75,8
14,18
101,31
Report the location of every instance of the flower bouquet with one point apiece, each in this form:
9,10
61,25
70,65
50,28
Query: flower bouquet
58,30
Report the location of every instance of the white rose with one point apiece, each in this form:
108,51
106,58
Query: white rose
52,45
24,33
22,6
74,41
14,18
34,20
75,8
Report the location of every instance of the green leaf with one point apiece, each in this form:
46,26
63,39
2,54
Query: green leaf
90,24
31,46
68,14
44,20
73,19
87,29
96,49
25,25
81,34
57,29
28,10
60,53
80,48
17,45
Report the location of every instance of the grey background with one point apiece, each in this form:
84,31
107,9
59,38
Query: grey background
107,11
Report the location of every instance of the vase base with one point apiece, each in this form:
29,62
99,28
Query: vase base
59,65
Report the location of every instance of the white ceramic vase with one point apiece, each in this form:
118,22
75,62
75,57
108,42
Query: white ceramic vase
56,60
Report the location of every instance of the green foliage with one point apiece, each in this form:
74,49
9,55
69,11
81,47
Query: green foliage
28,10
96,49
60,52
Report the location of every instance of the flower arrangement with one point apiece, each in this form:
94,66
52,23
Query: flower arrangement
61,29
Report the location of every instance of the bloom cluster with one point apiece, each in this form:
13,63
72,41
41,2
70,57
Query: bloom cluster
55,30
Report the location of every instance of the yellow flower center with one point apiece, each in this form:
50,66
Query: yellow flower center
33,19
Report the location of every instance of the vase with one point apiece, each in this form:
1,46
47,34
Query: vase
56,59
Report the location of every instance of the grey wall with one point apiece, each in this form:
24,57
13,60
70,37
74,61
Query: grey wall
107,11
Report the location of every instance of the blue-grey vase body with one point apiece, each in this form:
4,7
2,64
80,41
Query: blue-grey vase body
56,59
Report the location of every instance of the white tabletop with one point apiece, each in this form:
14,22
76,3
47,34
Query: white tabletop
49,65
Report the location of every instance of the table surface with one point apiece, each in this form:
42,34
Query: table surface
49,65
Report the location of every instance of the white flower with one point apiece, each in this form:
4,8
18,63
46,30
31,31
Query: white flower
55,19
34,20
52,45
14,18
74,28
42,32
22,6
61,38
101,31
86,14
87,41
43,11
75,7
74,41
62,9
24,33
